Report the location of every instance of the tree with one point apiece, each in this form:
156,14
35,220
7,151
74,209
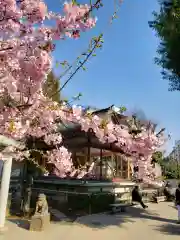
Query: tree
25,53
166,24
171,169
28,115
51,87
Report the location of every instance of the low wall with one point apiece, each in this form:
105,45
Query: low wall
81,196
73,195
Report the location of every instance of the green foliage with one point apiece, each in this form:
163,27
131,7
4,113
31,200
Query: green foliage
158,157
170,168
166,24
123,109
51,87
74,2
77,97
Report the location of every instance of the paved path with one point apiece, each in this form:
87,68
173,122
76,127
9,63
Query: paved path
158,222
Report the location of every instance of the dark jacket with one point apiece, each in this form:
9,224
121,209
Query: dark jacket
177,195
136,196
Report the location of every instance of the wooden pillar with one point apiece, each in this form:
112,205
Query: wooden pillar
112,159
129,168
89,154
23,177
116,167
121,161
43,164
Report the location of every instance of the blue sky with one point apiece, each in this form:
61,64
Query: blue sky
123,72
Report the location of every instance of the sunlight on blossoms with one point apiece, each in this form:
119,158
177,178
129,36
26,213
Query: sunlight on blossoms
26,46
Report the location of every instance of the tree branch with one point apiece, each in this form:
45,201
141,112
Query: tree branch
81,64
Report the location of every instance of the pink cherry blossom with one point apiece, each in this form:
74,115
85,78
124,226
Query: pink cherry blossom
26,46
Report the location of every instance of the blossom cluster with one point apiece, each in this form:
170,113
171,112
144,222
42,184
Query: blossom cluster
139,147
26,44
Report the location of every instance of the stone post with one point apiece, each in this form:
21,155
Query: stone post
4,190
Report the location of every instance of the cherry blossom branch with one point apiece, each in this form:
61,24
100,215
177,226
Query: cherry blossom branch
96,5
97,43
114,16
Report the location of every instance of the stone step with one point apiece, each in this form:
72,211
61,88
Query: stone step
160,199
58,215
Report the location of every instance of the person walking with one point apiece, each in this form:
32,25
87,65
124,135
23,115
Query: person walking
177,196
136,196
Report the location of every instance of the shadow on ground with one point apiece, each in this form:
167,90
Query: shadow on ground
169,229
22,223
99,221
132,214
